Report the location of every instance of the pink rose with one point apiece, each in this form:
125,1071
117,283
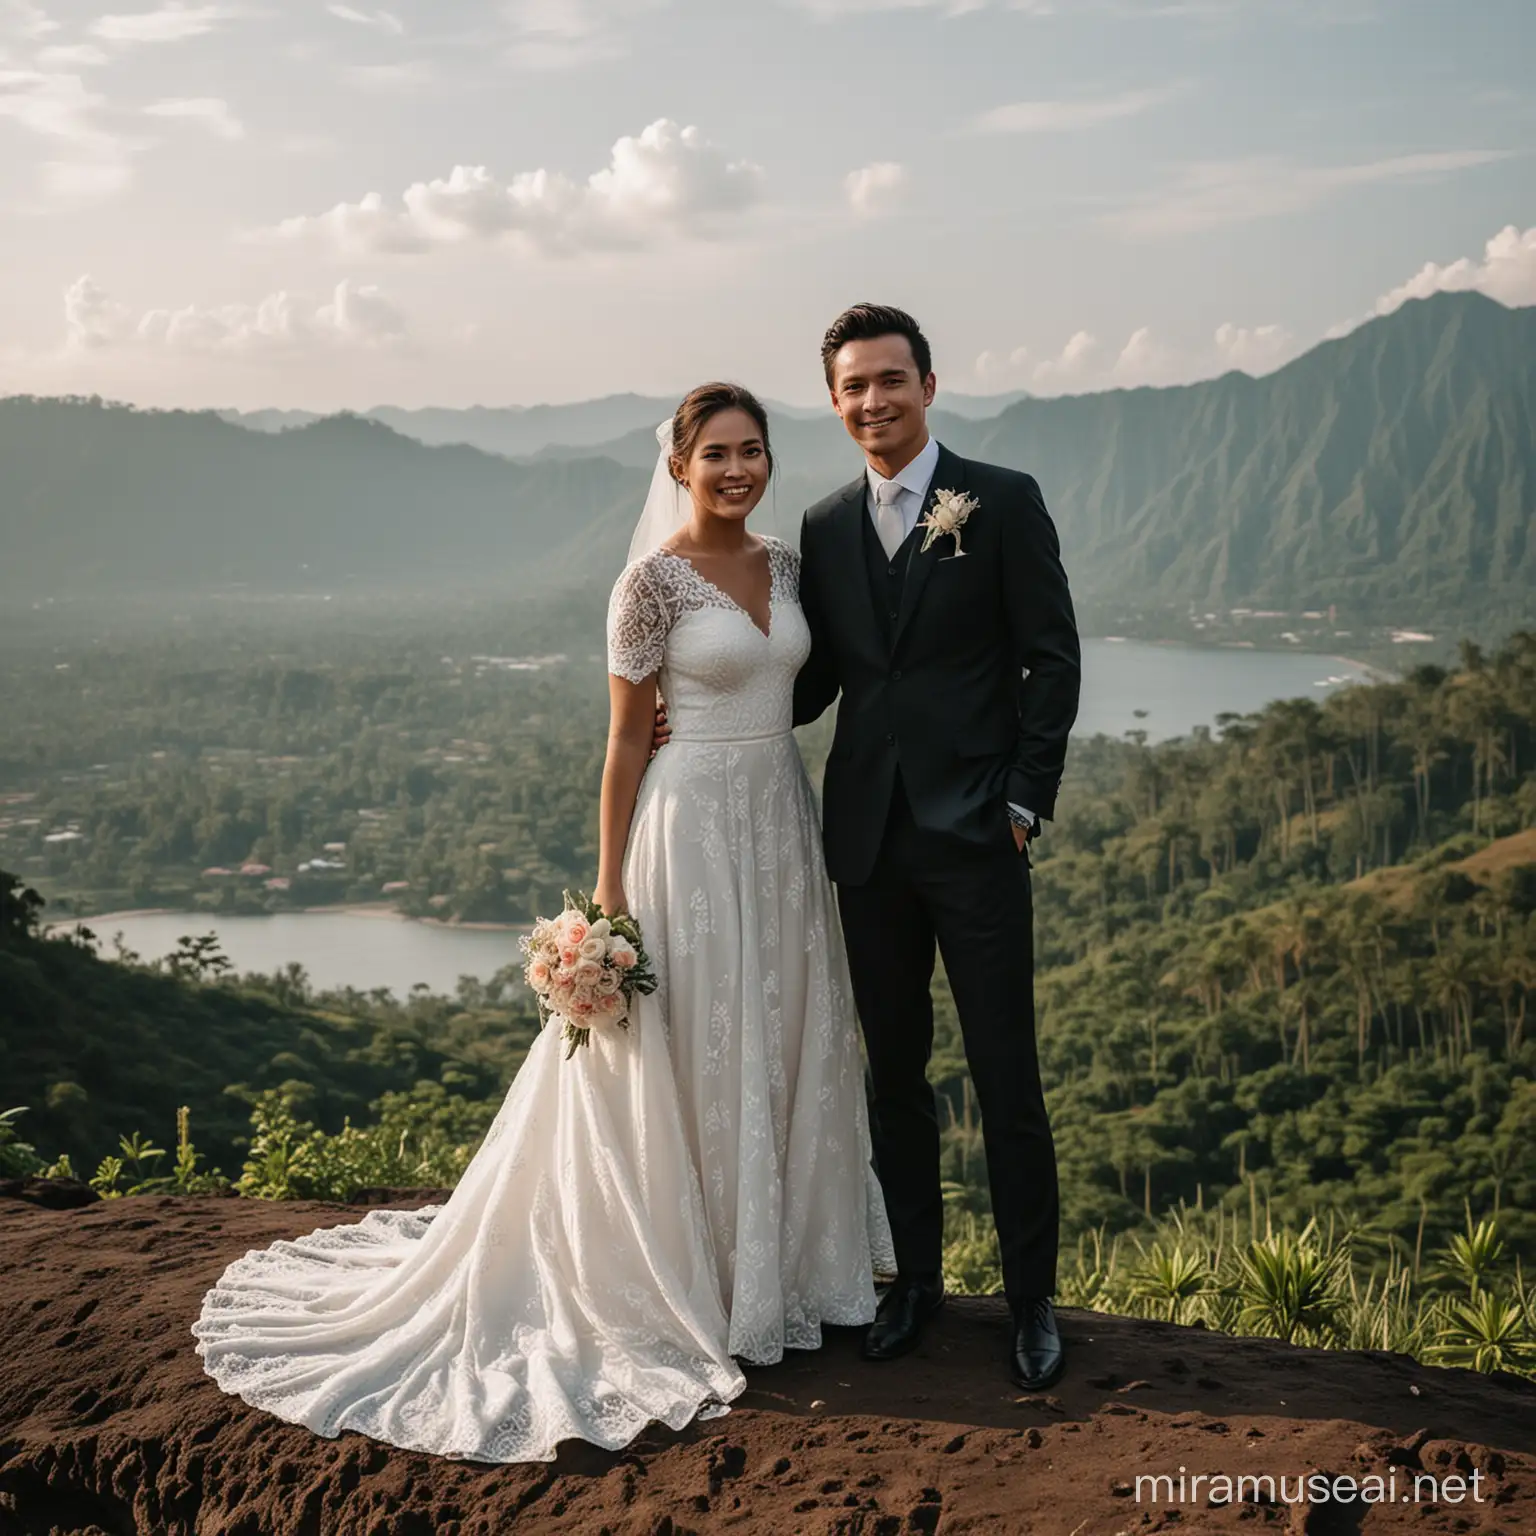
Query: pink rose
569,958
622,953
576,932
538,975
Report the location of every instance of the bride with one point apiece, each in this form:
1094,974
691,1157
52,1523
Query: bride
689,1192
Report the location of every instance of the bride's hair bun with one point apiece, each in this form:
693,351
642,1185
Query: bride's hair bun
700,406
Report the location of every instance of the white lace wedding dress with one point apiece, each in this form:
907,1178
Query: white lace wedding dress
693,1189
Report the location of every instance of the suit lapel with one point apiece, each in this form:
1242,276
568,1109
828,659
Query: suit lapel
847,530
948,475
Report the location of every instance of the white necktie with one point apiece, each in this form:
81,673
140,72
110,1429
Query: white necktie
889,523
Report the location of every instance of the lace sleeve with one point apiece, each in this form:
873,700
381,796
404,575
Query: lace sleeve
637,625
783,566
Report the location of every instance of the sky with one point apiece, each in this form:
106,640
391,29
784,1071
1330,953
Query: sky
332,205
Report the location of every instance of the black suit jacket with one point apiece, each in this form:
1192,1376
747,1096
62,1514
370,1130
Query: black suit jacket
972,691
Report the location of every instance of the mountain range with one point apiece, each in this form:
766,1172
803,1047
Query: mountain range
1393,468
519,430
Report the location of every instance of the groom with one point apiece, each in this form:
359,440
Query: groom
956,655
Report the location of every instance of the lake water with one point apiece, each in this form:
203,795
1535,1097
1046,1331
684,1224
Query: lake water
1182,686
1178,687
338,949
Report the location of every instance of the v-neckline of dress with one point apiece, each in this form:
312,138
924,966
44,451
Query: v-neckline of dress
720,591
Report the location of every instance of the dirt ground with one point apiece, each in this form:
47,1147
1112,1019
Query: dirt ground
108,1425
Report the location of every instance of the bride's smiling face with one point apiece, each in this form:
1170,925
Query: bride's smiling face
727,470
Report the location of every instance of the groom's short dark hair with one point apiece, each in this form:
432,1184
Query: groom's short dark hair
864,322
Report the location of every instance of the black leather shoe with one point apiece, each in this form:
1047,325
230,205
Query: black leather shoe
1036,1359
898,1324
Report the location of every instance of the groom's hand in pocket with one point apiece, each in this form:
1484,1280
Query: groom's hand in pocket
661,733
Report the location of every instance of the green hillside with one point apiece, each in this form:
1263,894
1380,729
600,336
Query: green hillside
1391,471
1394,466
100,497
97,1049
1290,965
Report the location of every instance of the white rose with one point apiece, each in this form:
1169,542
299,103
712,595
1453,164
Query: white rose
593,947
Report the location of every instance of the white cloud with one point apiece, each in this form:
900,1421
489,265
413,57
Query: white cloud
381,21
877,188
171,23
1254,349
564,34
54,105
90,317
1507,272
1070,115
57,107
1001,367
282,323
1145,359
832,10
1075,362
1234,191
21,18
664,181
211,111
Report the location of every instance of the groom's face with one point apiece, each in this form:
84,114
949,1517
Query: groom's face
882,398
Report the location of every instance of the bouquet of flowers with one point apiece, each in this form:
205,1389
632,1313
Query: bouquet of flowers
586,969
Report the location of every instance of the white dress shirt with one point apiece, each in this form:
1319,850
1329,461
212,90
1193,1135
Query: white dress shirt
914,479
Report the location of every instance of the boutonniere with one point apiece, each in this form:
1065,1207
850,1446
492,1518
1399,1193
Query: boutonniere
951,510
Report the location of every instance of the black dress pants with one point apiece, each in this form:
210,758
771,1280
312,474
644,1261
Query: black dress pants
974,903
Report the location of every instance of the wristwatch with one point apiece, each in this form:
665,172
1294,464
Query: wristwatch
1025,819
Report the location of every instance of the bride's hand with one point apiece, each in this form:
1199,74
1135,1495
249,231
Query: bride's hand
611,899
662,731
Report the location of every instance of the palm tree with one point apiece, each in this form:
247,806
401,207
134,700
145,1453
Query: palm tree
1515,978
1423,733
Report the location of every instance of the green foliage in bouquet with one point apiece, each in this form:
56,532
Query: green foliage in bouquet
560,997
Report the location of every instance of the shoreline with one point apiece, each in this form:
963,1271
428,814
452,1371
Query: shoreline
349,909
1376,672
